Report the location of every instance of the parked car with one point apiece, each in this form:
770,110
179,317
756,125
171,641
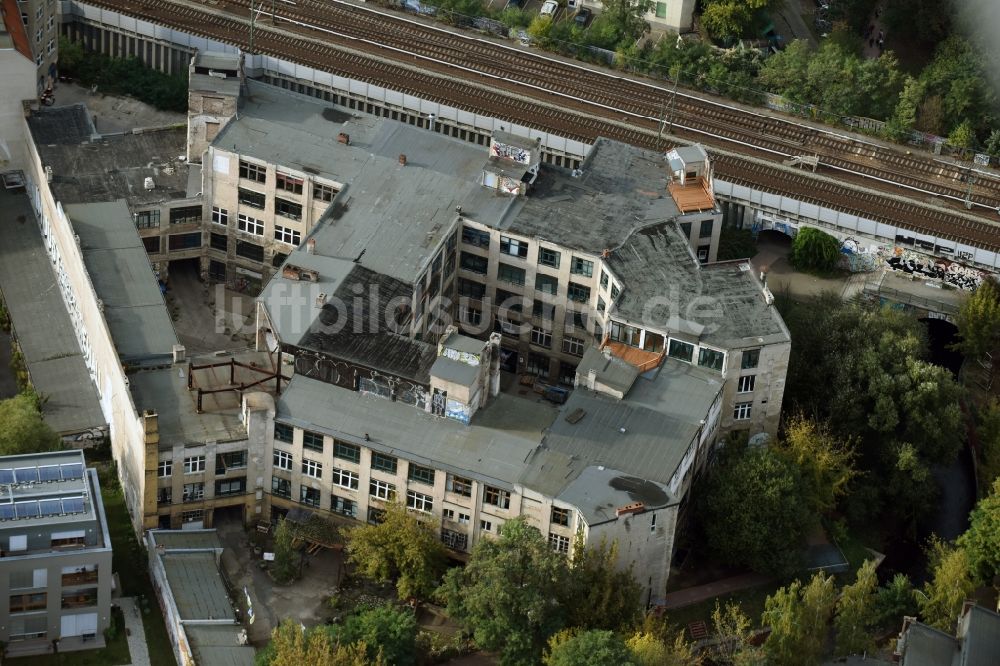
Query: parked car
549,8
582,17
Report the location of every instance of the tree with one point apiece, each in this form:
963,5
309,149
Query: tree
727,20
733,632
599,594
815,251
894,600
401,548
387,631
648,649
962,135
988,433
979,320
627,17
857,612
826,462
588,648
981,542
798,617
286,558
992,142
950,585
508,593
291,645
22,429
767,533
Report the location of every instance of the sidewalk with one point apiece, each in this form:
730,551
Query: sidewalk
694,595
136,633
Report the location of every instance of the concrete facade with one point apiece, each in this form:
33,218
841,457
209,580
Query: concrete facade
55,568
42,20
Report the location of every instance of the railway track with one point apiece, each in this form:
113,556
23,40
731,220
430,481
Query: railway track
481,94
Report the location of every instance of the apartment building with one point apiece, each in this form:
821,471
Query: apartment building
55,554
41,20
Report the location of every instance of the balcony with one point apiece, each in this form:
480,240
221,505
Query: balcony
80,599
79,578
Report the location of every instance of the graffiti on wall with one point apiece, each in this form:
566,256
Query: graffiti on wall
909,262
507,152
858,258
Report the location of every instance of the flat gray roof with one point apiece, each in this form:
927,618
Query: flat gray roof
598,492
621,189
46,489
609,370
42,324
927,646
196,585
453,371
214,84
186,539
111,167
396,215
123,279
217,60
666,288
494,446
218,645
165,391
982,639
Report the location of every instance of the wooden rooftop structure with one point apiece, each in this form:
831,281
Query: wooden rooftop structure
693,197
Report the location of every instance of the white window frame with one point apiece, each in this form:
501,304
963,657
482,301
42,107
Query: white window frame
194,464
197,491
746,384
419,501
312,468
220,216
503,497
345,478
382,490
287,235
250,225
486,526
283,460
559,543
742,411
165,468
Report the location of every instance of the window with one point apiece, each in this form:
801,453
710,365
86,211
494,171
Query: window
286,235
548,257
184,241
474,263
459,485
193,516
312,468
309,496
513,247
464,518
475,237
628,335
680,350
250,225
312,441
376,515
165,468
578,292
686,230
472,316
164,495
710,358
486,525
33,578
216,271
601,305
546,284
224,462
421,474
581,267
250,251
706,229
604,279
254,172
283,460
745,384
703,253
538,364
324,192
615,290
560,516
284,181
50,47
283,432
218,241
79,598
230,486
567,374
512,274
382,490
18,542
543,310
220,216
541,337
653,342
345,478
346,451
194,491
147,219
471,289
185,215
281,487
194,464
559,543
574,346
742,410
419,501
384,463
152,244
750,359
344,506
448,514
289,209
251,198
26,602
497,497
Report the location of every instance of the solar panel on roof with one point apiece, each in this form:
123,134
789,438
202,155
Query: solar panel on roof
72,471
50,507
72,505
27,509
7,512
49,473
26,474
6,476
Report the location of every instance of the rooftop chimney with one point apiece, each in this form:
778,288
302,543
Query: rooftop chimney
402,160
344,139
179,353
311,246
628,509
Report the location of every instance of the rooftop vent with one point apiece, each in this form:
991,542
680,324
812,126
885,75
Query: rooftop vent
629,509
293,272
320,299
344,139
311,246
576,415
148,183
402,160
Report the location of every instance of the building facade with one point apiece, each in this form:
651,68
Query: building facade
55,569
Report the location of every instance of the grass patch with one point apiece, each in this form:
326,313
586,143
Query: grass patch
130,562
751,600
114,654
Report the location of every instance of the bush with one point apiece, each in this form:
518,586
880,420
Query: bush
815,251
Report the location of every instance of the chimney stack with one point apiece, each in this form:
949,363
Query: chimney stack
402,160
311,246
179,353
344,139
